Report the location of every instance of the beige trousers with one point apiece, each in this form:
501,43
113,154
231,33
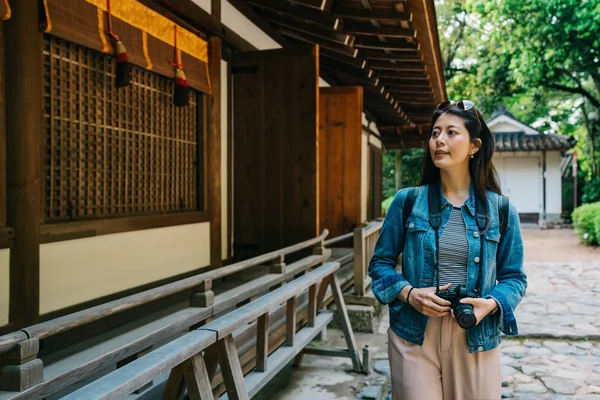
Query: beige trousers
443,368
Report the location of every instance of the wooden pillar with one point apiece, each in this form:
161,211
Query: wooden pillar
214,151
24,143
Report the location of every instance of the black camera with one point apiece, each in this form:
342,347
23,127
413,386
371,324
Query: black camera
462,312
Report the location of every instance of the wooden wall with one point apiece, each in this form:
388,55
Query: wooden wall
340,134
275,105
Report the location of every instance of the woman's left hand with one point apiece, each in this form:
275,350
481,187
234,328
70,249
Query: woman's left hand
481,307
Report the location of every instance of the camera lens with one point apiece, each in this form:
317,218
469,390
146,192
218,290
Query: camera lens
465,316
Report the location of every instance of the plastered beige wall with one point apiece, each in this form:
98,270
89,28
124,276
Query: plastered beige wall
4,285
76,271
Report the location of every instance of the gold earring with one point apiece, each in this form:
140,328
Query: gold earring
472,155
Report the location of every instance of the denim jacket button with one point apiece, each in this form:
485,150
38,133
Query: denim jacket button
480,348
411,225
476,259
476,234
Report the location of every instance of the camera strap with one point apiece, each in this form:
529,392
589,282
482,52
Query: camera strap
435,220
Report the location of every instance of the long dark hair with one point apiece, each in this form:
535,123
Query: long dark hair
483,172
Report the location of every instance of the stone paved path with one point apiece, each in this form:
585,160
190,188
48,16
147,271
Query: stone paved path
550,369
562,300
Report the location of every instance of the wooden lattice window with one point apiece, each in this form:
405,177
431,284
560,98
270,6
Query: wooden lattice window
116,152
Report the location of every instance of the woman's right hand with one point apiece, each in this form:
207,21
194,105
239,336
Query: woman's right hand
426,302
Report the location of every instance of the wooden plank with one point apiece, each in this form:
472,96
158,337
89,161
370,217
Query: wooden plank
340,143
231,369
343,49
24,152
105,350
275,142
196,379
305,27
51,233
2,135
239,317
214,149
256,286
255,381
381,55
262,342
290,322
132,376
326,352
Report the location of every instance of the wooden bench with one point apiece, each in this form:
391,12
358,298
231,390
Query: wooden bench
191,357
26,376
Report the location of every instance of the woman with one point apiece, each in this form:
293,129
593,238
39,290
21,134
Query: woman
431,356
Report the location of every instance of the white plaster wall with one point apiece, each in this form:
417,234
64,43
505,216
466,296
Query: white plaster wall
76,271
364,176
553,183
375,142
224,163
520,175
4,285
322,83
236,21
204,4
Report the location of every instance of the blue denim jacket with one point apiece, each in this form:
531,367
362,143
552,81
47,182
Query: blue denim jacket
503,279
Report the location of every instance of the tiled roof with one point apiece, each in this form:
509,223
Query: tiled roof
520,141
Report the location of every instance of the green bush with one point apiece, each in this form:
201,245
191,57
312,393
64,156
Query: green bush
591,191
586,222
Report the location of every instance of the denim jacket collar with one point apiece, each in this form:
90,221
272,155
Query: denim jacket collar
470,203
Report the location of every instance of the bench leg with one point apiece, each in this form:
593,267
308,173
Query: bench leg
196,379
174,389
345,322
231,369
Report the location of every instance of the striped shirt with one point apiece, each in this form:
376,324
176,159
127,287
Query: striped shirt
454,251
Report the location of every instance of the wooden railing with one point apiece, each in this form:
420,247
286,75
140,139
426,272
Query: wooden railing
24,375
365,238
192,359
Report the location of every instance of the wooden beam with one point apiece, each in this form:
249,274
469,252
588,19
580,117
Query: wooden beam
387,31
368,15
353,62
397,66
389,44
332,46
381,55
304,27
306,14
24,144
213,142
191,13
215,9
318,4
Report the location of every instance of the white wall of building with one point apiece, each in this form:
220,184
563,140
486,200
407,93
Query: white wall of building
521,177
4,285
553,184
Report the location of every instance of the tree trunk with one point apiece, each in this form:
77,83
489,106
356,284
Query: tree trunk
398,170
591,128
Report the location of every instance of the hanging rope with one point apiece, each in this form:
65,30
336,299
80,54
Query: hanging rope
123,75
181,95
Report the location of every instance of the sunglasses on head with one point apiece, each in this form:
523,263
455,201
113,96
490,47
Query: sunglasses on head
464,105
